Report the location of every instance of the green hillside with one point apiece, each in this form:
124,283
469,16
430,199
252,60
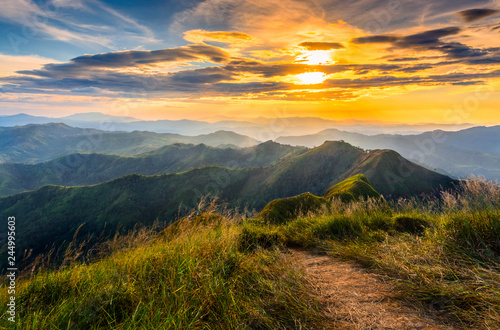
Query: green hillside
283,209
390,174
39,143
85,169
52,214
213,271
352,189
459,154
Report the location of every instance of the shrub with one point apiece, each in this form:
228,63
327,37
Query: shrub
476,232
410,224
353,189
254,236
282,210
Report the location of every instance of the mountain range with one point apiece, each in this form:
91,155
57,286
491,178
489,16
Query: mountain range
51,214
259,128
459,154
85,169
43,142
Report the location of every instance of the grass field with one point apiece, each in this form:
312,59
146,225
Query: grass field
213,271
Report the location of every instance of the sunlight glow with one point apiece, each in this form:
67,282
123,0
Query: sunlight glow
316,57
309,78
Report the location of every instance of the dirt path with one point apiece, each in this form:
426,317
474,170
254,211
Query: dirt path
356,299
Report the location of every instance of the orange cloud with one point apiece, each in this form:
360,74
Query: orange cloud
226,37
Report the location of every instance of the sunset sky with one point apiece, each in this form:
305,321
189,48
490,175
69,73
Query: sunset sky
404,61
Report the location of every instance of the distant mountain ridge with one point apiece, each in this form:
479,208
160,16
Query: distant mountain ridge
471,151
258,128
39,143
85,169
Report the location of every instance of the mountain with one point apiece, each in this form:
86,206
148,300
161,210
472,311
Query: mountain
23,119
85,169
259,128
39,143
471,151
281,210
352,189
51,214
95,117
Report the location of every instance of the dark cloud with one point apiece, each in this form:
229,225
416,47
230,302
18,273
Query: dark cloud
201,76
131,58
472,15
218,81
429,40
273,70
428,37
389,81
404,59
138,57
309,45
468,83
375,39
484,61
424,38
108,80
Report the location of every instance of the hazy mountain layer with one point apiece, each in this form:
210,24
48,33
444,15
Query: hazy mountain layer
471,151
39,143
258,128
85,169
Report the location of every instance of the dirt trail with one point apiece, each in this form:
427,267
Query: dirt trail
356,299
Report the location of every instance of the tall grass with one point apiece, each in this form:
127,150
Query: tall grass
193,276
442,252
218,269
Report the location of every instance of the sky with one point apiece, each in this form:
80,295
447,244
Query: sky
390,61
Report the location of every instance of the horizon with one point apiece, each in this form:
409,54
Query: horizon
255,120
397,62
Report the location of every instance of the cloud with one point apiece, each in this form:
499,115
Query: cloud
471,15
81,65
429,40
390,81
201,76
423,38
68,21
309,45
100,76
139,57
428,37
277,24
375,39
88,90
227,37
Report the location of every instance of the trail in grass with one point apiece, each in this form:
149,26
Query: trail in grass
353,298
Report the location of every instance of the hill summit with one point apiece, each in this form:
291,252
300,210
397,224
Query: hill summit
353,189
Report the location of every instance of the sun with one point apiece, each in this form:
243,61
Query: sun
309,78
315,57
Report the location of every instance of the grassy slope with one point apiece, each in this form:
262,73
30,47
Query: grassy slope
352,189
442,254
283,209
210,273
389,173
84,169
196,279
